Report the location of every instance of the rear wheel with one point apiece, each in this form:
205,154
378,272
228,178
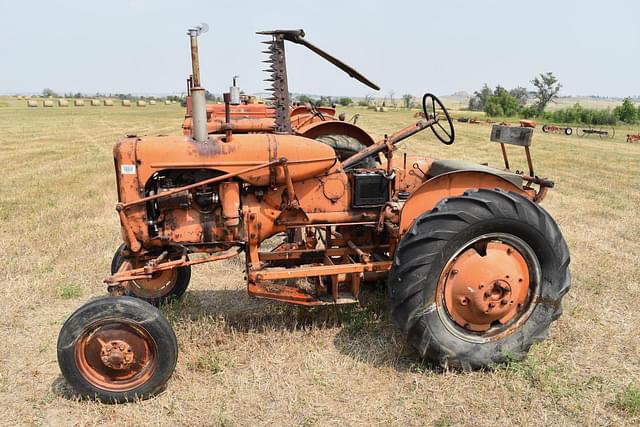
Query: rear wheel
479,279
116,349
162,287
345,147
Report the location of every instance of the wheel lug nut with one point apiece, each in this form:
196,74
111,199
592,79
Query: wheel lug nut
504,302
492,304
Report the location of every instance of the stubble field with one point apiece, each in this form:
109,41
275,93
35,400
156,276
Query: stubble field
250,362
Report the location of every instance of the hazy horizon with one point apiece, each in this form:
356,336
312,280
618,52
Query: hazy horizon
141,47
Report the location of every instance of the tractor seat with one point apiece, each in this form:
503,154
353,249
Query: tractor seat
439,167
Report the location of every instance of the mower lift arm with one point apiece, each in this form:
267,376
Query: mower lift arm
297,37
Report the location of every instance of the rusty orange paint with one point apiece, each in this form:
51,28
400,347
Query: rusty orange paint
482,289
116,355
431,192
265,184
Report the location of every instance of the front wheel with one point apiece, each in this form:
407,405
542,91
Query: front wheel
117,349
479,279
162,287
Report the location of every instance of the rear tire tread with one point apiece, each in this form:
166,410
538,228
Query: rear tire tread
407,276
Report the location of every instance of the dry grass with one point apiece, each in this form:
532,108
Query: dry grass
249,362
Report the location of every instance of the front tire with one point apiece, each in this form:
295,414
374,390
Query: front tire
479,279
163,287
117,349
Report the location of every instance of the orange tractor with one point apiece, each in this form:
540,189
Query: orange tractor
475,268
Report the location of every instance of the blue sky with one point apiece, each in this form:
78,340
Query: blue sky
440,46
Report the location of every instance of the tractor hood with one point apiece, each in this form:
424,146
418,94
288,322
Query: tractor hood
142,157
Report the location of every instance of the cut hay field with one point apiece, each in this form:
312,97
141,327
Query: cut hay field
250,362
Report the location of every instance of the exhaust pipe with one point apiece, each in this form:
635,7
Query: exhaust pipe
198,101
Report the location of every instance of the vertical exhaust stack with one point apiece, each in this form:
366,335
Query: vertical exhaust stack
198,101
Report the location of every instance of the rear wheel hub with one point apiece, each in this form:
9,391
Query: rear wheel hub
485,284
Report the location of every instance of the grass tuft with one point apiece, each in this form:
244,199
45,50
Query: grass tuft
70,291
629,399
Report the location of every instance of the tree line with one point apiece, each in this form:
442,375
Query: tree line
500,102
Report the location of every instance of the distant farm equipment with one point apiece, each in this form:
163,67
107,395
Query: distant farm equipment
601,132
633,137
557,129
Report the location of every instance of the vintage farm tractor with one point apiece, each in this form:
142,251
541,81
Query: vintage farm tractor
475,269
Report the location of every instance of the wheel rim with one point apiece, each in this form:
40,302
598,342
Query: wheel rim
116,355
487,287
160,284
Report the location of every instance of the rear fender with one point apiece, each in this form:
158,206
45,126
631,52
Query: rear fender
451,184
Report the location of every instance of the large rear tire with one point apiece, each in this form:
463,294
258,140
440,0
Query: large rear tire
164,286
346,146
479,279
117,349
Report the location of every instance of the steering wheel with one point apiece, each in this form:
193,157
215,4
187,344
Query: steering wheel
432,107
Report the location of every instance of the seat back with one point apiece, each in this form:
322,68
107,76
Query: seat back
512,135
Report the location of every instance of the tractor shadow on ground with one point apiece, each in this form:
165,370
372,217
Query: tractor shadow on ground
60,387
365,331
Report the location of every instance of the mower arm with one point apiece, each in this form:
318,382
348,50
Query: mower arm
297,37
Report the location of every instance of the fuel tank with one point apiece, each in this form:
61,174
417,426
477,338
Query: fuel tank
142,157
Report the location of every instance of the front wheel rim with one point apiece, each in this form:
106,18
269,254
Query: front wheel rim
159,285
487,288
116,355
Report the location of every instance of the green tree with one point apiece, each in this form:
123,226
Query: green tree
547,88
627,112
479,99
304,99
46,92
501,103
521,95
408,100
344,101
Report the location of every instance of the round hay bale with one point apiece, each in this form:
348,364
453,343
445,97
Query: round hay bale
47,103
95,103
18,97
167,102
142,103
173,102
108,103
78,102
126,103
63,103
152,102
32,103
